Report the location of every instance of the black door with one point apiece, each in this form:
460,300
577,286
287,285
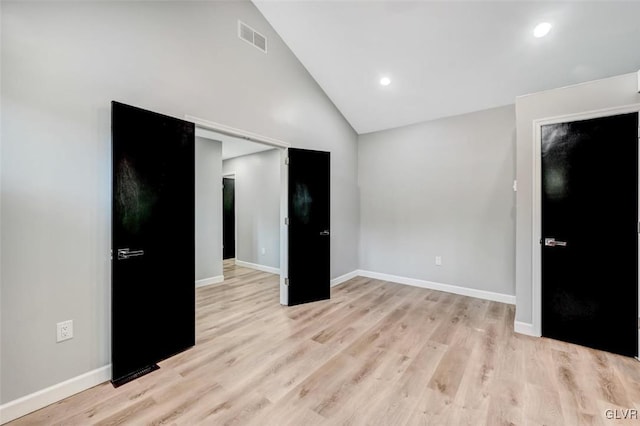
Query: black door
590,233
153,249
228,218
309,181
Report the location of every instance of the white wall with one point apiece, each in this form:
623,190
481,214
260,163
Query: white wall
208,209
62,64
1,393
257,191
441,188
591,96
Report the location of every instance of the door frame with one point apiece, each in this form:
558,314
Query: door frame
235,215
284,194
536,254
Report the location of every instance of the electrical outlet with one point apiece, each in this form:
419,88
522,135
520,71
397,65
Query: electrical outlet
439,260
65,330
263,251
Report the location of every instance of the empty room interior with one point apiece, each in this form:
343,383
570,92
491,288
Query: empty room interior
319,212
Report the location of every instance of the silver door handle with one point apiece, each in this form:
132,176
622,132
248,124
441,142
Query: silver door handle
325,233
125,253
551,242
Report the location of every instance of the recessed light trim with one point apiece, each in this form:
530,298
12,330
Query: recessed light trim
385,81
542,29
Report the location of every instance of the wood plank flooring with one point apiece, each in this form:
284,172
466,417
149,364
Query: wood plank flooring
377,353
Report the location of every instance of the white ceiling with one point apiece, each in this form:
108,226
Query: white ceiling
231,146
448,58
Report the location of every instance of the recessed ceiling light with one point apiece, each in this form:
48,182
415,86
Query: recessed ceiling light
542,29
385,81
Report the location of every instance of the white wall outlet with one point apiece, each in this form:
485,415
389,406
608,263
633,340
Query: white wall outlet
263,251
65,330
439,260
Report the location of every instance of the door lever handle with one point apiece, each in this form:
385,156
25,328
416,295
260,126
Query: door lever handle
551,242
325,232
125,253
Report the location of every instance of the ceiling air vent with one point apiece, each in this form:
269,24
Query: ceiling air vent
252,37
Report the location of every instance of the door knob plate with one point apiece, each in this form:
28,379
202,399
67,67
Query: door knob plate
551,242
125,253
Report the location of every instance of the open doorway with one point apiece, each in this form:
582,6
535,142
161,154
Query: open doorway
256,187
304,212
239,187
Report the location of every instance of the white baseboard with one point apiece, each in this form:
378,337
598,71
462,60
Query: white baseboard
464,291
32,402
258,267
524,328
209,281
343,278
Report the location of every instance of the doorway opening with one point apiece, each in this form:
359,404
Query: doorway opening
252,233
303,185
251,204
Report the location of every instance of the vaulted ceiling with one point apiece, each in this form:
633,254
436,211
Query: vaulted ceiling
448,58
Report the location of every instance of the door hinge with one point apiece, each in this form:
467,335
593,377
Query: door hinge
286,161
638,323
286,281
286,220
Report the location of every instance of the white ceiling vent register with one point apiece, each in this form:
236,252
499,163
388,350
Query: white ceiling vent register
252,37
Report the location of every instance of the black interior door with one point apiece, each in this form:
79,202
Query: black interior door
153,249
590,233
309,195
228,218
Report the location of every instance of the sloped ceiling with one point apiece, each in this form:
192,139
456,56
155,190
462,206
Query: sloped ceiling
448,58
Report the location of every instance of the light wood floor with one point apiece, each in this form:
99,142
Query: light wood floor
377,353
